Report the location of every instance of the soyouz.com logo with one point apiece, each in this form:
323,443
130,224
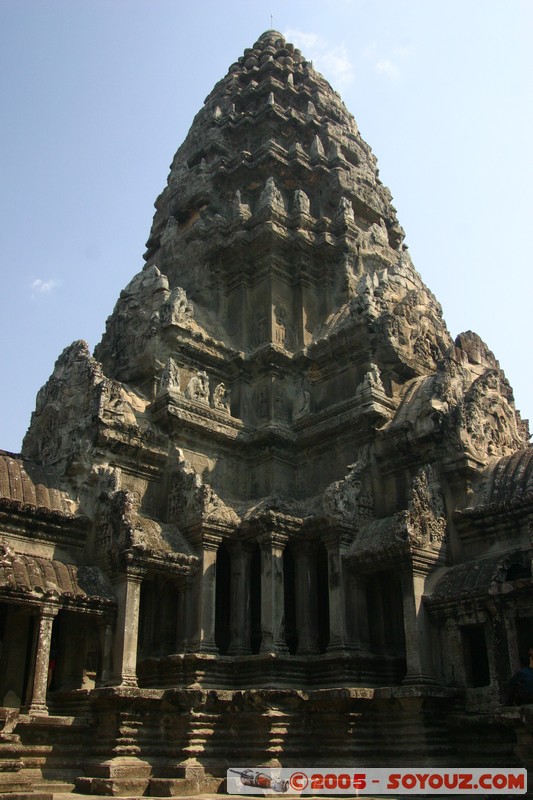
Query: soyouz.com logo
360,782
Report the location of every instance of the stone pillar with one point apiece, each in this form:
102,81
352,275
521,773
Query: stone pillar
495,642
200,601
128,592
105,635
337,607
191,611
454,653
415,628
240,622
306,598
41,656
509,619
272,597
208,596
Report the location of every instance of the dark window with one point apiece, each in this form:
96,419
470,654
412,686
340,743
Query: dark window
475,655
524,630
517,571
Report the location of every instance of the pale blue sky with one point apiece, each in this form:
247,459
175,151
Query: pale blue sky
97,95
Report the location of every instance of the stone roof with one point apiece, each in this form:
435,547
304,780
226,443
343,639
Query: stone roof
486,576
34,577
511,478
30,484
152,536
271,46
507,485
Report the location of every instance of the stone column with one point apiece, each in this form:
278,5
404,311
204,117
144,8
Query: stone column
509,620
41,655
240,622
105,634
208,577
454,660
415,628
272,597
306,598
337,606
201,600
191,611
128,592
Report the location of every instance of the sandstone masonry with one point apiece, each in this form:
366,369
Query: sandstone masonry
279,517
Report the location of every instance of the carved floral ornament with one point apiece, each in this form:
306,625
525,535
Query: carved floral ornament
190,500
177,308
425,520
348,500
420,529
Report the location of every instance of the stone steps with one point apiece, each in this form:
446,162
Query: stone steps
53,787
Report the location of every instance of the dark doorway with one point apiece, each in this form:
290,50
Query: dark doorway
147,606
524,630
475,655
27,688
169,619
255,599
322,591
289,592
223,600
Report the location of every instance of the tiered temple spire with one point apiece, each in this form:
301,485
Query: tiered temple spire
276,453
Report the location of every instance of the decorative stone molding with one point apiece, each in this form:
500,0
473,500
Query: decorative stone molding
346,500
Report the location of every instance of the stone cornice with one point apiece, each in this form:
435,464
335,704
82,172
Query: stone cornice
173,408
18,518
496,513
273,540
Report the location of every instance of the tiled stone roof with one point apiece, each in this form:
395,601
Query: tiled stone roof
30,484
35,576
512,477
475,576
487,576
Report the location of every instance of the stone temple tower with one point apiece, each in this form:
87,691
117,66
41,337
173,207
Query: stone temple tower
279,503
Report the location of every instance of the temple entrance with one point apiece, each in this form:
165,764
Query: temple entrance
385,624
16,624
75,658
238,599
71,660
475,655
158,618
